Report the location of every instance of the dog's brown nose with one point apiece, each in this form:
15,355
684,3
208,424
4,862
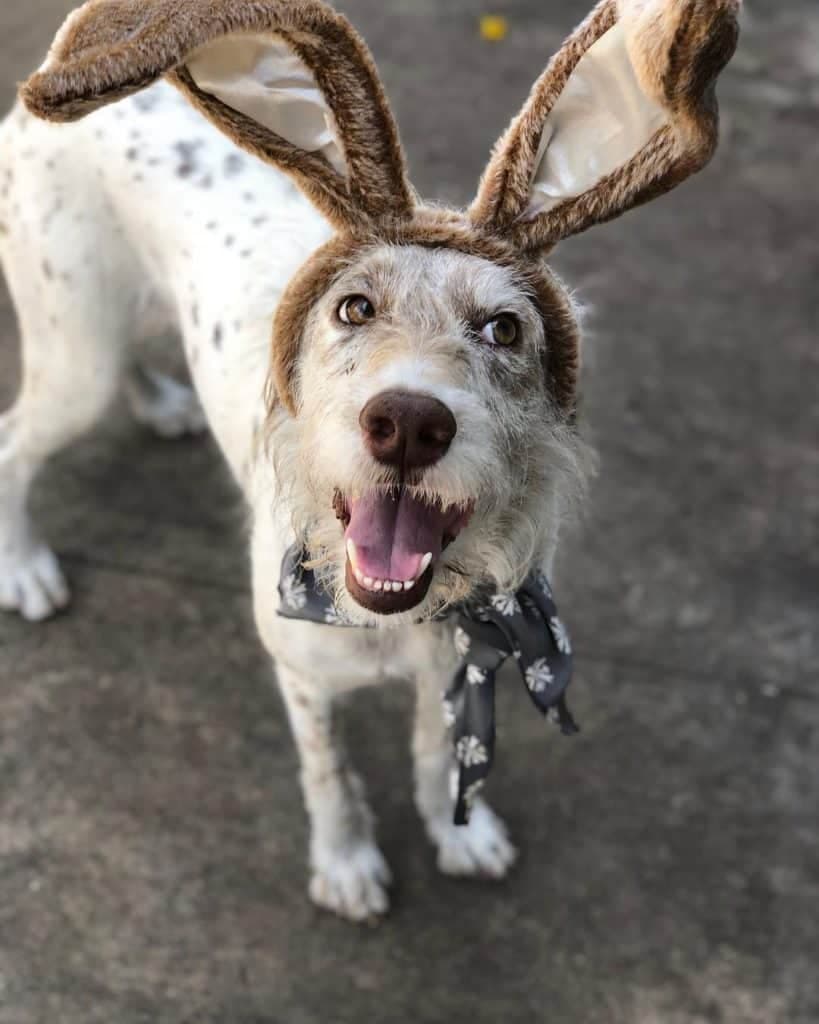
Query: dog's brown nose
407,429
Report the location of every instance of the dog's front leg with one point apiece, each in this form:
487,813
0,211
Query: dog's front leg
480,848
349,874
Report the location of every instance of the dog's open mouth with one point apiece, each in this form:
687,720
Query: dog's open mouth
394,541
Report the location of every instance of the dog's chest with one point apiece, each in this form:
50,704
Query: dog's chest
349,657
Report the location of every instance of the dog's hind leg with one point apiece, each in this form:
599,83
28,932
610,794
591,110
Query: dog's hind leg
480,848
164,405
73,332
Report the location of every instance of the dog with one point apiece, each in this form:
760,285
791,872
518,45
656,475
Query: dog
411,428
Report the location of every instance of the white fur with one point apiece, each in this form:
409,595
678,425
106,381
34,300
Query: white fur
143,215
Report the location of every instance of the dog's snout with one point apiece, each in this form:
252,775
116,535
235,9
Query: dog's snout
407,429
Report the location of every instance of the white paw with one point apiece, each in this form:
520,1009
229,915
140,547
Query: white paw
164,405
31,583
480,848
352,883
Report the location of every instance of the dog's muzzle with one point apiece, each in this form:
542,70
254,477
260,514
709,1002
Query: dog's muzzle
393,538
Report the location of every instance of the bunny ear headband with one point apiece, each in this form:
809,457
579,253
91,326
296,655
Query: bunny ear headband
624,112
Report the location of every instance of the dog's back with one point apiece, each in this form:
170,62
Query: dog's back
146,203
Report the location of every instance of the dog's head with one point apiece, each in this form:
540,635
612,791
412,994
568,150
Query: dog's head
424,362
428,452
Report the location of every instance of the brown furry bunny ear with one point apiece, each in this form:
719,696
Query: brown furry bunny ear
624,112
287,80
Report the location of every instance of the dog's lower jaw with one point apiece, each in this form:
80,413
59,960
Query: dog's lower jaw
383,602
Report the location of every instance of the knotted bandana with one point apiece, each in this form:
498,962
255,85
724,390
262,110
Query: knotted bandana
523,625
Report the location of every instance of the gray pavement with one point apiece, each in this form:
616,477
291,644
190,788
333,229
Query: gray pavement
152,841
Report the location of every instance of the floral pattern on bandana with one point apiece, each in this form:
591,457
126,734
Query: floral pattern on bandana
525,627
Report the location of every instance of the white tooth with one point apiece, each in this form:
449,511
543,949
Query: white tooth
397,588
358,576
409,584
377,584
352,554
425,563
368,581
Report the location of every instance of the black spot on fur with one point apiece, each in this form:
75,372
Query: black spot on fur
261,219
245,253
248,197
206,181
48,271
195,315
186,151
145,102
229,241
211,225
218,334
131,153
234,165
52,212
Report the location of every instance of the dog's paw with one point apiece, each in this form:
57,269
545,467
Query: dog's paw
164,405
32,583
481,848
352,883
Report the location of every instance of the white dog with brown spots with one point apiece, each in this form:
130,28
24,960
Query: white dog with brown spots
412,426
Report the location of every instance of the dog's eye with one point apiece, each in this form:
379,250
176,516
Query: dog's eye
356,310
503,330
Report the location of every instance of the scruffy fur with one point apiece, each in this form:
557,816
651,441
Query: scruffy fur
144,216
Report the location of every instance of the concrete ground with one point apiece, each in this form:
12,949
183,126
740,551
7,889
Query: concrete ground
152,839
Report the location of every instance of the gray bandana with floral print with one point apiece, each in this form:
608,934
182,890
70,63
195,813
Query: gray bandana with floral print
523,625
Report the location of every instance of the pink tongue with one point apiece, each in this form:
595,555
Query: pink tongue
393,533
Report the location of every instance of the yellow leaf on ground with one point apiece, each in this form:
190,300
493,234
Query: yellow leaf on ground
494,27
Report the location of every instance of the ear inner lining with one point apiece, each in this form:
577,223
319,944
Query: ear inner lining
600,121
261,77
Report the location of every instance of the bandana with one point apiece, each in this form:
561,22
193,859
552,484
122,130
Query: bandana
489,629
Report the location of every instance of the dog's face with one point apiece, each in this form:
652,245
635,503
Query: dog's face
427,455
